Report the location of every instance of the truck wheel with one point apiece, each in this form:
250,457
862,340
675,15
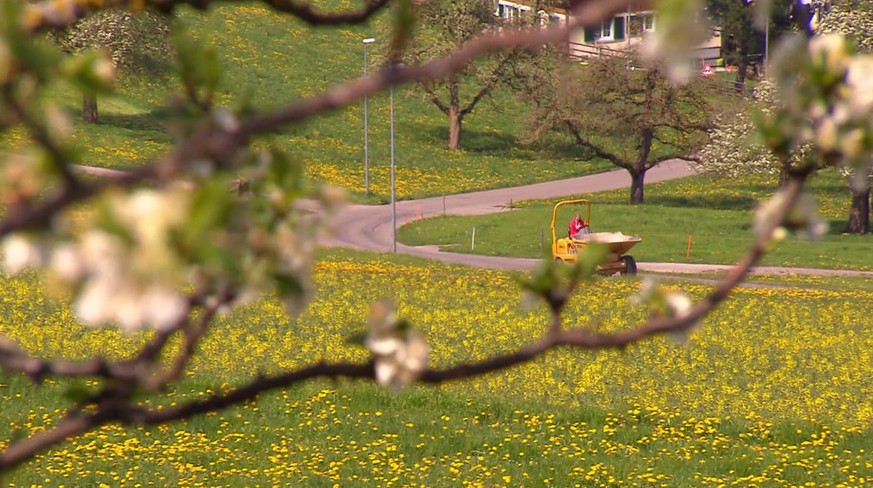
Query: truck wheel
559,260
630,266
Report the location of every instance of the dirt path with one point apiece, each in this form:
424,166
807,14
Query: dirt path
368,227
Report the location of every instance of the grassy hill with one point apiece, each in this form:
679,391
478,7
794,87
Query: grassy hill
271,60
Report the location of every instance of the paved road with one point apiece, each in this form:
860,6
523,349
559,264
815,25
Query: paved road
368,227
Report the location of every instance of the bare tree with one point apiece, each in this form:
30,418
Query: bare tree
632,118
443,28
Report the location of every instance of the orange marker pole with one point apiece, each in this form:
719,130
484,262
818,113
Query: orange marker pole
688,248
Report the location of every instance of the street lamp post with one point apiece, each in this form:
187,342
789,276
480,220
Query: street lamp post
367,42
393,201
766,62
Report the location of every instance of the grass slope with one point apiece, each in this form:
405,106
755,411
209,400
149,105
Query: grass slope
716,213
271,60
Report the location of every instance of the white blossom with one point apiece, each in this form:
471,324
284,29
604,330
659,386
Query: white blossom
859,81
678,303
803,217
826,136
93,303
20,253
67,263
164,306
400,356
131,282
404,365
852,143
733,149
830,51
765,213
648,290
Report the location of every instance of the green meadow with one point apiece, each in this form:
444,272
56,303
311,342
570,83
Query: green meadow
270,60
779,403
716,215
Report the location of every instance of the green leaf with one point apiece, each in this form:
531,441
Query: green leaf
592,256
210,208
198,61
90,71
543,278
284,171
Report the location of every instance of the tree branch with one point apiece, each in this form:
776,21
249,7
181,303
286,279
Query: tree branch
41,136
14,360
74,423
39,214
220,401
488,87
554,338
62,14
598,150
434,98
193,335
219,144
130,370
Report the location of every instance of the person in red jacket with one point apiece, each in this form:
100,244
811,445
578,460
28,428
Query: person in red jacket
577,227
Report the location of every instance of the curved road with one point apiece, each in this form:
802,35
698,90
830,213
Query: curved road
368,227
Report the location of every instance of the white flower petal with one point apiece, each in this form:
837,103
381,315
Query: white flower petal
67,263
386,370
383,346
20,253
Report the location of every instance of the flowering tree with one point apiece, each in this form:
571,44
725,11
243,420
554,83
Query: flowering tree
734,148
165,247
134,42
853,19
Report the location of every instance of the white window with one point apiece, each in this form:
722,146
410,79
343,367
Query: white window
605,31
507,12
649,23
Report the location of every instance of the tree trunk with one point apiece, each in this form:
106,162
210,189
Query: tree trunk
636,190
859,213
89,108
783,176
638,169
455,120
